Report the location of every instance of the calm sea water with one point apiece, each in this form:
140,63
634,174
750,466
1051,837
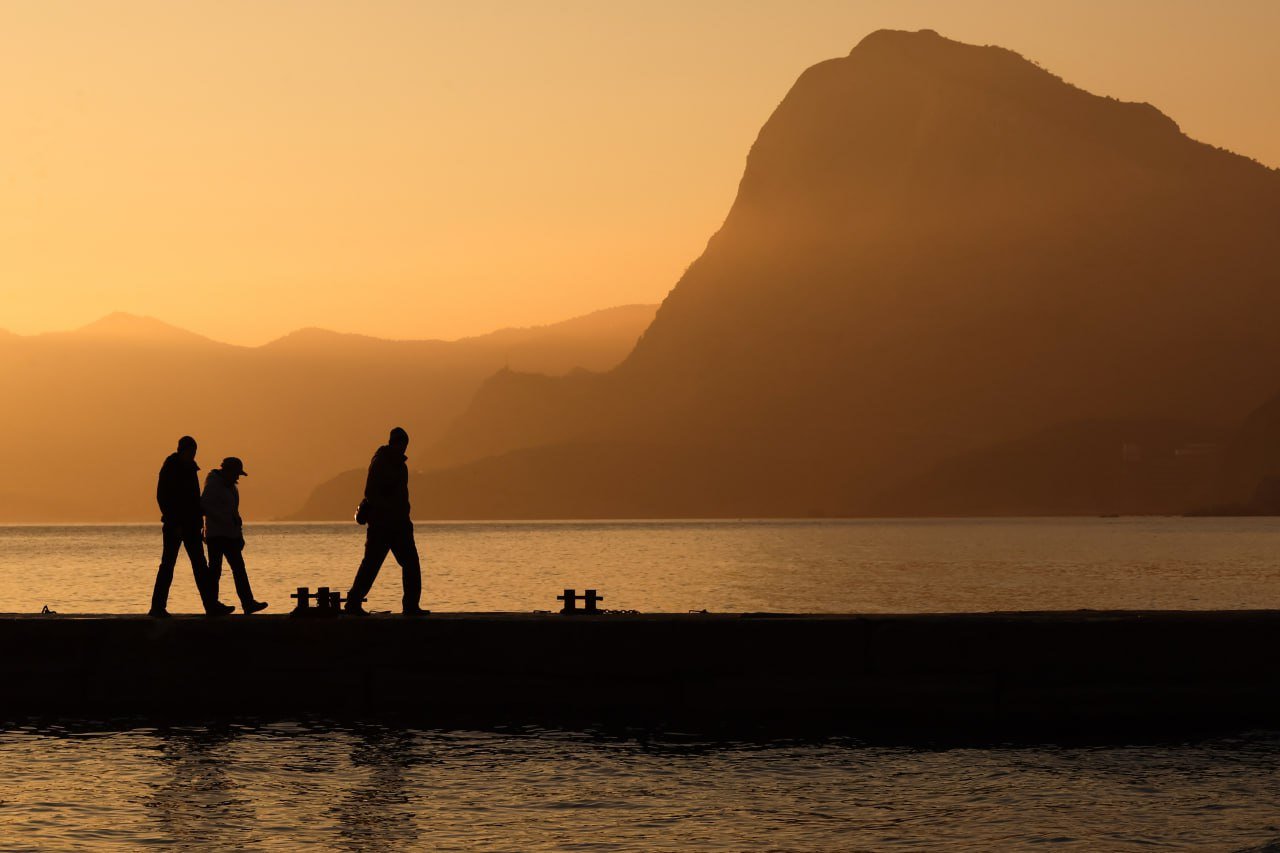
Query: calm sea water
270,785
372,788
826,566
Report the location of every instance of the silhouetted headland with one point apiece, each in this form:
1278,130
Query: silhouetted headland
1046,674
951,283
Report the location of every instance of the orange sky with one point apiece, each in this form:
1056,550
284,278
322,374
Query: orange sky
429,169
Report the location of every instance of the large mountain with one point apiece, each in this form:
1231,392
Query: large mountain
940,257
91,413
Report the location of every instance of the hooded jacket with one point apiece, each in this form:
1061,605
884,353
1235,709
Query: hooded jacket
178,491
387,487
221,502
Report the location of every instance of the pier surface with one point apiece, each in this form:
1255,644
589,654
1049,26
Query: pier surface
1045,673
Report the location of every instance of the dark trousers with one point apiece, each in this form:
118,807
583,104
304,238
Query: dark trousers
398,540
232,549
179,536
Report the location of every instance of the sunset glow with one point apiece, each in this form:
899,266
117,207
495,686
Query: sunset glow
431,169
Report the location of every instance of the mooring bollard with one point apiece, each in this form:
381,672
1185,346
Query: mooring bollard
328,602
571,597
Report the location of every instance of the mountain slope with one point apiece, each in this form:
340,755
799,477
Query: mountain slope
935,248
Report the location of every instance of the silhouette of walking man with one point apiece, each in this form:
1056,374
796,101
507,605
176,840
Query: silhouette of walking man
224,530
178,494
386,508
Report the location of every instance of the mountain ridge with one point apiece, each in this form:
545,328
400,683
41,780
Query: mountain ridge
125,325
296,414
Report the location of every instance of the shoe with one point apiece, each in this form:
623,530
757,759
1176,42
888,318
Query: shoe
354,610
254,607
158,614
220,609
415,611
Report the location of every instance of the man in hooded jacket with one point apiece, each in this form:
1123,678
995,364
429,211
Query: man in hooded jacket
386,494
178,494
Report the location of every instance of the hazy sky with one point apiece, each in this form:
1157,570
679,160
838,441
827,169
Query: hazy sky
433,169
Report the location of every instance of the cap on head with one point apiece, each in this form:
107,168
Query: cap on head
187,443
233,465
399,437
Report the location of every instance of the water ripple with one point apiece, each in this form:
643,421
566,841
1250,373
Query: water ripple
382,788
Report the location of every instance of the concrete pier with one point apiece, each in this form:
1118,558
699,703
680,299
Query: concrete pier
1047,674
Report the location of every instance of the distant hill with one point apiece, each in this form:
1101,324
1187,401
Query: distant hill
1077,468
583,480
91,413
1251,471
132,330
937,250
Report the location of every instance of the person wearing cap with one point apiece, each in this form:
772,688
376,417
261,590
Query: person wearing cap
224,530
386,509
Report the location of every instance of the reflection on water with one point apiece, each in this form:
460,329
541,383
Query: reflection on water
196,803
377,814
381,788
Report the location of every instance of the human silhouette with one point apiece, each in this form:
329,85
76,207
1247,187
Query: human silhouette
178,494
224,530
386,509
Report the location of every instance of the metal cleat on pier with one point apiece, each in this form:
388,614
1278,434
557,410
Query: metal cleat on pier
327,602
571,598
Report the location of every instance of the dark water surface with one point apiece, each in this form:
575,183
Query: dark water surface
372,787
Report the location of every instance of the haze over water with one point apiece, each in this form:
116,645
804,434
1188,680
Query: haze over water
920,565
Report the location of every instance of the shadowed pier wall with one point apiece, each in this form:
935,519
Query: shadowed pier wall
1041,672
